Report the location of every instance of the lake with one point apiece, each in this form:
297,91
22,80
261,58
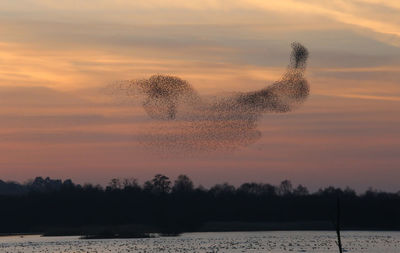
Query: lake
274,241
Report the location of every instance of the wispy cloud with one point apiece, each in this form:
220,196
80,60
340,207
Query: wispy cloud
372,97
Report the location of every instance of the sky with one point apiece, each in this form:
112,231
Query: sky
56,57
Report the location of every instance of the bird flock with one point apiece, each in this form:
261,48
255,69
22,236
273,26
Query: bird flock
186,121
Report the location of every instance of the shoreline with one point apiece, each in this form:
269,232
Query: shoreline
22,235
138,231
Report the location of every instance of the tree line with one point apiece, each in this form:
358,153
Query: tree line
162,205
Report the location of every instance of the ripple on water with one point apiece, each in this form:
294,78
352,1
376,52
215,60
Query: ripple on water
277,242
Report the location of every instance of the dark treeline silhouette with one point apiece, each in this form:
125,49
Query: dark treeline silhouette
165,206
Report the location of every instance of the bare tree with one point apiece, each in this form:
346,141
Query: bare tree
183,184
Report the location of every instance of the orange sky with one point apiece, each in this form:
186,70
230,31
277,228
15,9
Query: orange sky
55,57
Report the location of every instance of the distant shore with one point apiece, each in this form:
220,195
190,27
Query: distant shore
140,231
125,209
18,234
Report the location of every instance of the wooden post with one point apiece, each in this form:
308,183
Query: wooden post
339,241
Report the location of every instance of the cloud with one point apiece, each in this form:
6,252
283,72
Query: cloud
65,137
378,17
37,96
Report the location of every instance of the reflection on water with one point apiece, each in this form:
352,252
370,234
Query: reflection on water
279,242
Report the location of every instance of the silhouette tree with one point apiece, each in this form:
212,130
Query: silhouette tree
130,183
158,207
182,185
160,184
222,189
300,191
285,188
115,184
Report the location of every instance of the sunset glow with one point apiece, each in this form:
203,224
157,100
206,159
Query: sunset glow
57,57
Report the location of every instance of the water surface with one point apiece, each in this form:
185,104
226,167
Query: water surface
277,242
